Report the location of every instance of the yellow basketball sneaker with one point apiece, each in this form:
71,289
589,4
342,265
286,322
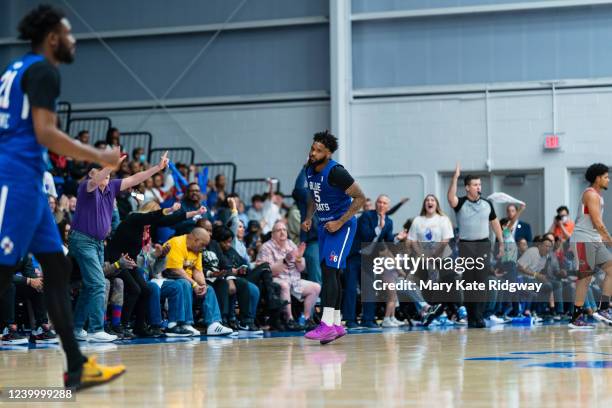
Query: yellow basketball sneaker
92,374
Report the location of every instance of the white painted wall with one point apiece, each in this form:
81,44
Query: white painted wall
429,134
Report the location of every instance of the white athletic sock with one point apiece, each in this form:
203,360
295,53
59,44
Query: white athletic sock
337,318
328,316
171,324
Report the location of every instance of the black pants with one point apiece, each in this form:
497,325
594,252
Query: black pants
7,305
261,276
221,288
476,300
135,296
20,292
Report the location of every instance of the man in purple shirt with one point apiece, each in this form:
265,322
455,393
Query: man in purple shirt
90,226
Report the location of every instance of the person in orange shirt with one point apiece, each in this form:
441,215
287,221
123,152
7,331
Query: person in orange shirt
562,226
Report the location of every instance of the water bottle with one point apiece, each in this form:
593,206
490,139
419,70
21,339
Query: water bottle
302,320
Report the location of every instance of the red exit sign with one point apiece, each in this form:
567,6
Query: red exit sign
552,142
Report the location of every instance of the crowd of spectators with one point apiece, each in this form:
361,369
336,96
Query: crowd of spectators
159,250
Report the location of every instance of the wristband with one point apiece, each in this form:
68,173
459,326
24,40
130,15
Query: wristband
117,265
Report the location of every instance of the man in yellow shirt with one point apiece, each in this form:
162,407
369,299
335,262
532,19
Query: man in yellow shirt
184,263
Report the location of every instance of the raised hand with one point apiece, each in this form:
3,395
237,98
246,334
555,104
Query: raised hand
163,161
457,170
231,202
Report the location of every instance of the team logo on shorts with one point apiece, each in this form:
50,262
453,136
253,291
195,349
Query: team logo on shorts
7,245
333,257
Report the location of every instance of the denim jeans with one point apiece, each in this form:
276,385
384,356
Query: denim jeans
558,295
313,264
170,290
253,301
254,297
210,306
89,254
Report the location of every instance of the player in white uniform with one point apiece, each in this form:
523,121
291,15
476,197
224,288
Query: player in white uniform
589,242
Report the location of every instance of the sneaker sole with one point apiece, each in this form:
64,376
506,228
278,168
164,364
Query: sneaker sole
101,341
328,339
221,334
571,326
14,342
176,335
323,342
84,386
50,341
602,319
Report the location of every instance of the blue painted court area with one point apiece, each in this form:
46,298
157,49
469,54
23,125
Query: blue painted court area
574,364
501,358
567,364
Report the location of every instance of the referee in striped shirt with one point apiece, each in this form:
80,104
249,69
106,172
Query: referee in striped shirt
474,215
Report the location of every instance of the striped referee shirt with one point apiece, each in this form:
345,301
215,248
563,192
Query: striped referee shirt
473,218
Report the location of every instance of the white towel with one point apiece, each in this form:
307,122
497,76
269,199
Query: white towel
503,198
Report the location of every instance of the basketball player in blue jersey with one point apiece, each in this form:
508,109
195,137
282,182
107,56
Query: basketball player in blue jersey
336,198
29,88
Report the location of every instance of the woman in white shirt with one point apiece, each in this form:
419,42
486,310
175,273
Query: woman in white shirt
431,230
429,235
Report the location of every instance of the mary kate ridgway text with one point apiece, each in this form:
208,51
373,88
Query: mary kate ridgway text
459,285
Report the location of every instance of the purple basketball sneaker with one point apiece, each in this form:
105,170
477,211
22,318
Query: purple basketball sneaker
323,333
340,331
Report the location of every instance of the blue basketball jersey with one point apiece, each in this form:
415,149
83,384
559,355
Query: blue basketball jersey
330,202
21,156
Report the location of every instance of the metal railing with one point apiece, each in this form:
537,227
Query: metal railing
64,110
183,155
228,169
132,140
248,187
96,126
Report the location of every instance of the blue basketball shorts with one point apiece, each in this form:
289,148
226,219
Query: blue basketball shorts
26,222
335,247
